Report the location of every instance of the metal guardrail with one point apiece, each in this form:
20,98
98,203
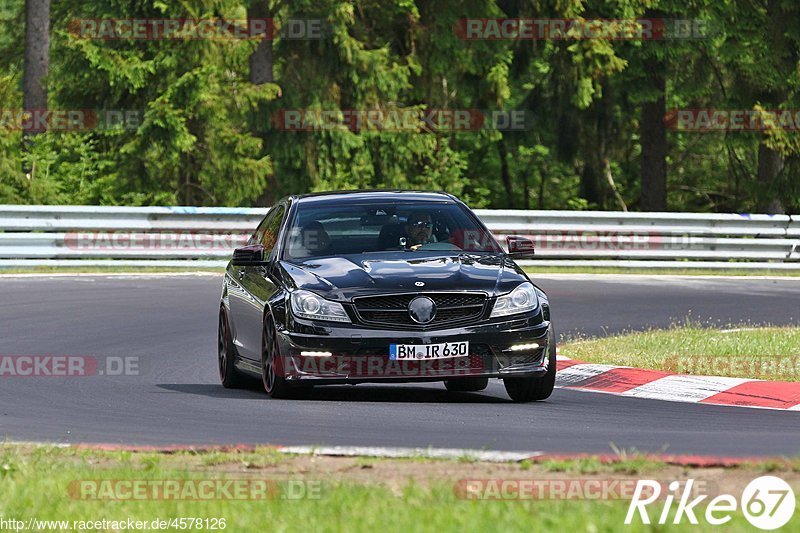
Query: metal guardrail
650,237
204,237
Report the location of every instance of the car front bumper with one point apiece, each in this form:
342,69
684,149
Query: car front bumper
328,353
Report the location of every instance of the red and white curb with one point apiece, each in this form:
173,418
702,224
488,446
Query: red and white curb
657,385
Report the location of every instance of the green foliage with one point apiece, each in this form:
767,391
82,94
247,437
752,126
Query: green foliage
204,134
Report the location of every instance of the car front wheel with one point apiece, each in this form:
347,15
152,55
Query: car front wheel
536,388
272,366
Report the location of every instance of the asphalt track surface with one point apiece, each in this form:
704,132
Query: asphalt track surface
169,323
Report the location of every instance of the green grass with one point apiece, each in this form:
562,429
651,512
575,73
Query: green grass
771,353
637,464
34,482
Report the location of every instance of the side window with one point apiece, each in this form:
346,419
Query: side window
258,236
272,229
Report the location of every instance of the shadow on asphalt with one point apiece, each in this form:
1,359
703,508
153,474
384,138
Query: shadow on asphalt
214,391
343,393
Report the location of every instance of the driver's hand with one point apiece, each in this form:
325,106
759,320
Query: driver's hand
414,247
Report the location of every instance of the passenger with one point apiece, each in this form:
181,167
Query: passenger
313,240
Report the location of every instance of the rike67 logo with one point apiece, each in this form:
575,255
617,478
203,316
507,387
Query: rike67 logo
767,502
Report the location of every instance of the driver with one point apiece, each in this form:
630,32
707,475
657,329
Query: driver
418,230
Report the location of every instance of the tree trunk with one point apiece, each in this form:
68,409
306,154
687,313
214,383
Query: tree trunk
505,175
261,72
593,183
36,62
770,165
653,133
770,162
37,54
594,134
261,59
590,188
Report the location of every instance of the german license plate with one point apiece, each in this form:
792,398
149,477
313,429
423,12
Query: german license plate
415,352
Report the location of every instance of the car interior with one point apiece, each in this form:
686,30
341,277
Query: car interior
375,230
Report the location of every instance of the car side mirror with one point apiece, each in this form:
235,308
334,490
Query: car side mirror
519,247
252,255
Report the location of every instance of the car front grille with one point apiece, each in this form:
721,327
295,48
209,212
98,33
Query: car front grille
392,310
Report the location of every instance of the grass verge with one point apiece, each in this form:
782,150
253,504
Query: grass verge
354,494
771,353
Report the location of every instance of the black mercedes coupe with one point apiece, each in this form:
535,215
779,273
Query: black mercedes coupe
382,286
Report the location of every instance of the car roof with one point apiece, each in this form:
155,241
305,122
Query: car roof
387,195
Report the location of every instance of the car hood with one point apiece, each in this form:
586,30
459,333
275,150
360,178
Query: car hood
345,277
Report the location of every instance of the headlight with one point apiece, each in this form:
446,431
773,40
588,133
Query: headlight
521,300
306,304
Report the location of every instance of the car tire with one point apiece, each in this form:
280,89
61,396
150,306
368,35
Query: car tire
272,371
466,384
537,388
226,354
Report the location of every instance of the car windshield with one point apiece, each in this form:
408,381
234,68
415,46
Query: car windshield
325,230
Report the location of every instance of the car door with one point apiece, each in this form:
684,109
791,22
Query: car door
257,287
239,299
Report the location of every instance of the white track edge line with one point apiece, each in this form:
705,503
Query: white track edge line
400,452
